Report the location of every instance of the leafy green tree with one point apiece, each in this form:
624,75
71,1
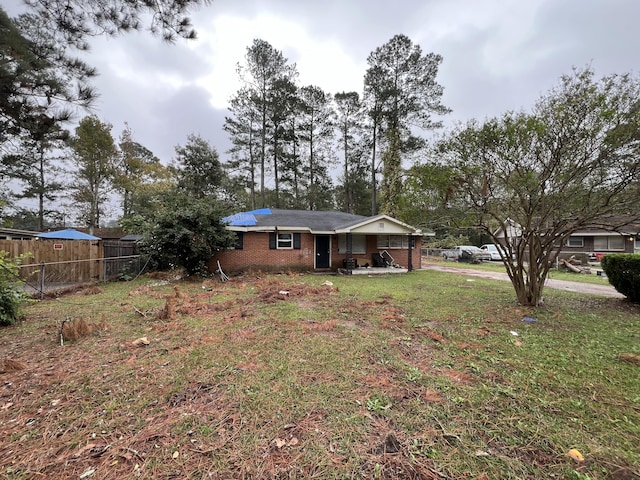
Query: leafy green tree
198,168
405,95
4,203
374,100
187,231
41,82
95,157
182,226
427,199
391,187
28,219
572,163
623,272
137,168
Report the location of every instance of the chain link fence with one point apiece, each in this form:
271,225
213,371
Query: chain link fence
51,265
47,277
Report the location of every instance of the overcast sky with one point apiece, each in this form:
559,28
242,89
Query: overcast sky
499,55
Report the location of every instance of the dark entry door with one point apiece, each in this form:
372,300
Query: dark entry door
323,251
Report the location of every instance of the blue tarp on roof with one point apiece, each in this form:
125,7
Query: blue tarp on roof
68,234
245,219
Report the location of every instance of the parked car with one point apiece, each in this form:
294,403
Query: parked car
466,253
494,250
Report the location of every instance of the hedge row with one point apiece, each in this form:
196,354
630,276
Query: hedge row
623,271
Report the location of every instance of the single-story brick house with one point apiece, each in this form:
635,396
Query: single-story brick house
275,239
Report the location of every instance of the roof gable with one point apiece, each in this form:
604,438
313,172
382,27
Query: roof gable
380,225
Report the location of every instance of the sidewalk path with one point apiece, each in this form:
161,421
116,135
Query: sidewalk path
566,285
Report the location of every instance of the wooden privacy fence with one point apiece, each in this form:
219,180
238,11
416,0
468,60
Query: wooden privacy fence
59,263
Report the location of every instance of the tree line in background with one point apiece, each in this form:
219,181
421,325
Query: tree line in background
288,140
296,135
570,163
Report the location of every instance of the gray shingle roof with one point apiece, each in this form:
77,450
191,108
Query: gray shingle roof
270,219
313,219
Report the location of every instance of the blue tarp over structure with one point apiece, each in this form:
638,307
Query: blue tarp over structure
245,219
68,234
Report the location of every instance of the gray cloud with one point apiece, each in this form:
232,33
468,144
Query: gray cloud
498,55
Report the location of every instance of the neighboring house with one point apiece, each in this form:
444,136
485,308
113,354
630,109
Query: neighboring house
15,234
274,239
597,241
600,241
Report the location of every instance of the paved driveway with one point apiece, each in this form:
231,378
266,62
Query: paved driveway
578,287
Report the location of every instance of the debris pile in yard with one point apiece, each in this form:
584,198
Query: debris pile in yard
72,330
275,292
574,265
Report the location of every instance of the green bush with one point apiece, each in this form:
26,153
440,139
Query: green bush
12,296
187,232
623,271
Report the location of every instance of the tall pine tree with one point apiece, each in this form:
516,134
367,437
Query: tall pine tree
404,94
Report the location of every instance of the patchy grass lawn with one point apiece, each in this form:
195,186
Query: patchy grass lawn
417,376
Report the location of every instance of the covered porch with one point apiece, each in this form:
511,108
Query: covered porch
379,245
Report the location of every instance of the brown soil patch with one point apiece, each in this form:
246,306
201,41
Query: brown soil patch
456,376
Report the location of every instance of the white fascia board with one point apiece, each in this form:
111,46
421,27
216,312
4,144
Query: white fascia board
236,228
265,229
292,229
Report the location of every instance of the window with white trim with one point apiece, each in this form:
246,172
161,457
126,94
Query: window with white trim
394,241
576,242
358,244
284,241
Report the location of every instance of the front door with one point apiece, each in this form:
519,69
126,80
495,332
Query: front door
323,251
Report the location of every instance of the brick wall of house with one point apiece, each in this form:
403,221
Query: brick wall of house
256,255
